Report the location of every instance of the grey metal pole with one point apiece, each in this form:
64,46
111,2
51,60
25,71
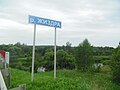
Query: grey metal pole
33,53
55,55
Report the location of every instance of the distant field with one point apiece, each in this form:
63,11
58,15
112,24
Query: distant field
66,80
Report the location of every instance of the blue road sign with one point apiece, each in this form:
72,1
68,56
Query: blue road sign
44,21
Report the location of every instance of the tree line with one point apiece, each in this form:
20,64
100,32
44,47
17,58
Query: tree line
81,57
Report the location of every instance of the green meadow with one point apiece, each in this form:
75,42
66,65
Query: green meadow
66,80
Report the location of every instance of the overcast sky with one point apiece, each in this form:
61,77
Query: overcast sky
96,20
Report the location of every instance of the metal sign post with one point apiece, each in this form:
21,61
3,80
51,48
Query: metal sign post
46,22
55,56
33,54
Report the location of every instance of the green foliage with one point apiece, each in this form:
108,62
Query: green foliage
65,60
84,56
100,59
115,65
102,51
69,48
49,60
66,80
21,63
106,62
106,69
22,53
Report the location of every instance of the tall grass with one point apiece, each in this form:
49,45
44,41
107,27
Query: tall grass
66,80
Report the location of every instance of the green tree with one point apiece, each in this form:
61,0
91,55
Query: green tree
18,44
49,60
115,65
65,60
14,50
84,56
68,47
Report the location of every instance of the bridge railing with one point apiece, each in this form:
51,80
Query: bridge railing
2,83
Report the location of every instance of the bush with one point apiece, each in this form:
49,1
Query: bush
115,65
106,62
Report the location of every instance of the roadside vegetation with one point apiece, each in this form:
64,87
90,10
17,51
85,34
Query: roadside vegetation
66,80
84,67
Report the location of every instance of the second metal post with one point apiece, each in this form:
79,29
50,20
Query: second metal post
55,55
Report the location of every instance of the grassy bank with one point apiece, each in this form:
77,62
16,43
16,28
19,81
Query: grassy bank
66,80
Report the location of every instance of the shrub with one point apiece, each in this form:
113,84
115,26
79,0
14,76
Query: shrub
115,65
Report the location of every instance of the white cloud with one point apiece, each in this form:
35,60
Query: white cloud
92,19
